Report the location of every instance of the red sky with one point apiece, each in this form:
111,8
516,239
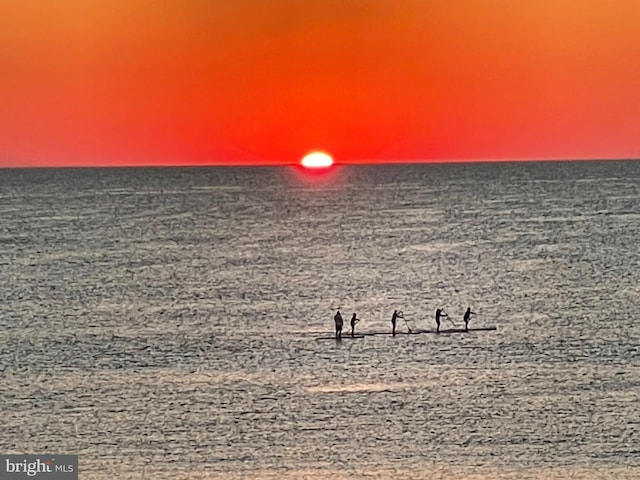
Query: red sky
132,82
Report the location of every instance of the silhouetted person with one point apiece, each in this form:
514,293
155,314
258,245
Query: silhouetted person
466,318
394,319
354,320
338,319
439,313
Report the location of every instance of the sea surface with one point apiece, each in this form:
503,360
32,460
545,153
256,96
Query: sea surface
164,323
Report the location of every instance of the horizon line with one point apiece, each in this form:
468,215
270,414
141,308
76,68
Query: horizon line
297,164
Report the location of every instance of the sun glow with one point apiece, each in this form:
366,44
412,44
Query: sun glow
317,160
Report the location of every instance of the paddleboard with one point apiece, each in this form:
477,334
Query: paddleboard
443,331
462,330
344,337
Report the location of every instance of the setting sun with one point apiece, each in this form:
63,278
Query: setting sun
317,160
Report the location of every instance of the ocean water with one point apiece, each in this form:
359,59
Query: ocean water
163,323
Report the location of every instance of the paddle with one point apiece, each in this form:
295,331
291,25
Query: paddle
449,318
401,315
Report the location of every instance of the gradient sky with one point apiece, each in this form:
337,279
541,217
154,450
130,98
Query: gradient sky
139,82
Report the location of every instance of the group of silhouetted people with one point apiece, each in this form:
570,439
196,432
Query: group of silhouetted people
338,319
440,314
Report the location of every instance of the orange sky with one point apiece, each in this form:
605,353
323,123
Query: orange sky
131,82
